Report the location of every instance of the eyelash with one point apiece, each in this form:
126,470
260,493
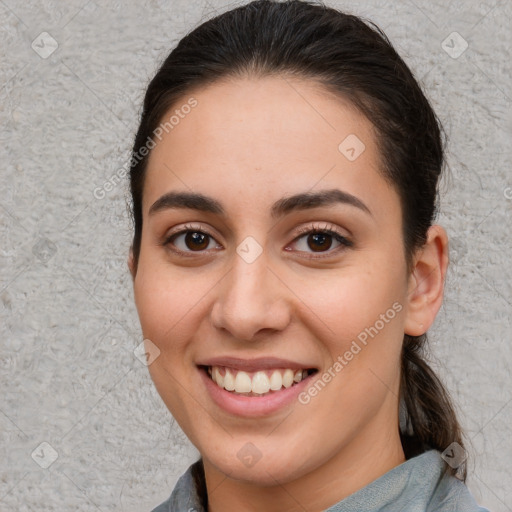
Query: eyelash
310,230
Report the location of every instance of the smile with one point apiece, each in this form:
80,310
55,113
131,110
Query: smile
256,383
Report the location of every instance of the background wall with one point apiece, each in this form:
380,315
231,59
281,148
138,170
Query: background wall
72,75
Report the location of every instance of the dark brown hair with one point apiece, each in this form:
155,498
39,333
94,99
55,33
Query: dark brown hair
353,59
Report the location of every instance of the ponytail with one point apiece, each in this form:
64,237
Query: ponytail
430,419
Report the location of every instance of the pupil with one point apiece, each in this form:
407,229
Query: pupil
200,240
196,239
322,237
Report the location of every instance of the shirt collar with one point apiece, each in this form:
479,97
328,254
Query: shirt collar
418,484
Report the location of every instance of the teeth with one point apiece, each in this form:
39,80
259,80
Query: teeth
217,377
260,382
229,381
287,378
243,383
276,382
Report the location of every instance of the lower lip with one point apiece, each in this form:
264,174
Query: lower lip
253,406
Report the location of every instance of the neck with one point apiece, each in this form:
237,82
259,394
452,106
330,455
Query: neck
352,468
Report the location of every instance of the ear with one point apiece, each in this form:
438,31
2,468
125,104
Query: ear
426,282
131,263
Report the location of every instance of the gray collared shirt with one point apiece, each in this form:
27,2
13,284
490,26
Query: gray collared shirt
420,484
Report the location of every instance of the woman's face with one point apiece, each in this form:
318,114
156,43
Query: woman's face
247,281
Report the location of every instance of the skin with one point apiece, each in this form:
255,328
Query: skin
247,144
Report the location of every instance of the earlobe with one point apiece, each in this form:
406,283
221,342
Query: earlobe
426,282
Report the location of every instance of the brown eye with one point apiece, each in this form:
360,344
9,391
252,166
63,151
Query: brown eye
195,240
319,241
191,239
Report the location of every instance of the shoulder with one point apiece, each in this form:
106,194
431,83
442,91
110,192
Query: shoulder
451,494
189,493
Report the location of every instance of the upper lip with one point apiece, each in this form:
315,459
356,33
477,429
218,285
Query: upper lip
259,363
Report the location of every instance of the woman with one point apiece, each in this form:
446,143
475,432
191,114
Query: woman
286,267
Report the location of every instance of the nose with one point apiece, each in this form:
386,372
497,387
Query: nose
251,301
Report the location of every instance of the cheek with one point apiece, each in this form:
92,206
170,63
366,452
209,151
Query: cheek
169,302
363,342
359,320
167,306
351,301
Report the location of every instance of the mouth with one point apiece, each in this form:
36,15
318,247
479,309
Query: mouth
258,383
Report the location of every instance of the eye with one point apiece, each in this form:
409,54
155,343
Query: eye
188,240
320,239
194,239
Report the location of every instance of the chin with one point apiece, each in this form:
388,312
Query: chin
265,468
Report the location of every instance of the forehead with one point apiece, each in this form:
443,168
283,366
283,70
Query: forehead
266,138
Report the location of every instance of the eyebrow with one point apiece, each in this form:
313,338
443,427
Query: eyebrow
283,206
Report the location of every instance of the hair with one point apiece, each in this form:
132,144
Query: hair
353,59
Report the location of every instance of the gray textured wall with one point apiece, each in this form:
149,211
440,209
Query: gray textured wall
69,377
